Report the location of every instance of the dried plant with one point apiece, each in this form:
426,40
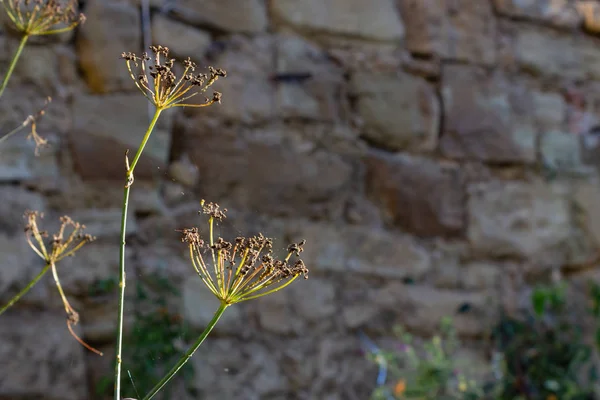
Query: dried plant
164,90
36,18
234,272
31,120
68,240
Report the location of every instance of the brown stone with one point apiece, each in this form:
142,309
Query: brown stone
112,27
268,176
248,16
376,20
590,11
399,112
103,131
484,120
558,13
520,220
462,30
417,194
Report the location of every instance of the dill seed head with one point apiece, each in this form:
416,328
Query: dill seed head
242,270
43,17
64,243
164,89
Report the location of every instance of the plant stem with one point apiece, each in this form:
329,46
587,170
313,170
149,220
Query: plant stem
129,182
184,359
26,289
13,63
16,130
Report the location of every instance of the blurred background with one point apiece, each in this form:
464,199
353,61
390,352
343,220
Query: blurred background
439,156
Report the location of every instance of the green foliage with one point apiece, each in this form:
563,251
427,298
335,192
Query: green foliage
544,354
427,370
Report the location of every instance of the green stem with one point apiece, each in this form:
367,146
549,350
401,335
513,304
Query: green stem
26,289
144,141
184,359
129,182
13,63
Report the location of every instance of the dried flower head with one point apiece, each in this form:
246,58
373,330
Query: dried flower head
43,17
64,243
242,270
164,89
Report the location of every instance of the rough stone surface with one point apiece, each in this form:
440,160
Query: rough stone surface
112,27
248,16
483,120
462,31
182,40
362,250
342,17
590,11
417,194
399,112
568,57
99,143
516,219
56,368
558,13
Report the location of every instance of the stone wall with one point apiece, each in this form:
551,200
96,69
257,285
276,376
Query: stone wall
434,154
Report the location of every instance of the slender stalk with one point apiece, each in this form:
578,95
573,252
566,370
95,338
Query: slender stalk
184,359
13,63
129,182
26,289
144,141
16,130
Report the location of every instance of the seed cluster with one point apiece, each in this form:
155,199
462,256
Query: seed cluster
43,17
163,88
63,244
242,270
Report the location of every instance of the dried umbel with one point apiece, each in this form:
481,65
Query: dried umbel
164,89
43,17
242,270
64,243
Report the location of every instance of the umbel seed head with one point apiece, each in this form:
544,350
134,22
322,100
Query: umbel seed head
164,89
244,269
43,17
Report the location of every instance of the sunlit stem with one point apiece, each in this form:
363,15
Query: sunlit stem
13,63
122,275
25,289
184,359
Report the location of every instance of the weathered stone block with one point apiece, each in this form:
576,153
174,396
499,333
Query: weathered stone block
248,16
361,250
519,219
462,31
268,176
419,195
182,40
483,121
545,51
112,27
103,131
590,12
49,365
399,112
558,13
375,20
